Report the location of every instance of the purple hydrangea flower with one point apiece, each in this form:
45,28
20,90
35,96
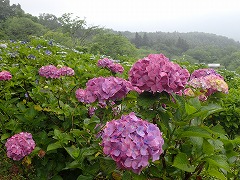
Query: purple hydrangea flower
20,145
114,67
49,71
204,72
104,89
5,76
131,142
47,52
156,73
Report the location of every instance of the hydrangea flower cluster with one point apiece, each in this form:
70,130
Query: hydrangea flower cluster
5,76
114,67
20,145
104,89
204,72
51,71
131,142
208,82
156,73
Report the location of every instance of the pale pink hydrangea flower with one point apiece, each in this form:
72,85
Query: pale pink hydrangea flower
207,83
131,142
104,89
107,63
20,145
5,76
156,73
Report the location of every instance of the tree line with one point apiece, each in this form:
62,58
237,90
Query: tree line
71,31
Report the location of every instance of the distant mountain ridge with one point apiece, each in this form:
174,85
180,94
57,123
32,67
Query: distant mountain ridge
193,38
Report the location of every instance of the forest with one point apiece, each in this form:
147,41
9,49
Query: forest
72,31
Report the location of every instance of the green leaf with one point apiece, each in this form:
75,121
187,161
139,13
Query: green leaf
147,99
190,109
196,131
73,151
54,146
107,165
82,177
219,161
181,162
5,136
217,174
207,147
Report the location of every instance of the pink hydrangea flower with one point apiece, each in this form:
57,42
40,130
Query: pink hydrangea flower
53,72
156,73
49,71
131,142
5,76
107,63
20,145
66,71
104,89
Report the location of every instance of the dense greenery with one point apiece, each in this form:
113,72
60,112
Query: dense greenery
198,143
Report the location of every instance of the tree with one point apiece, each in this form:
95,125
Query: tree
77,28
113,45
145,40
49,20
137,40
5,9
182,45
21,28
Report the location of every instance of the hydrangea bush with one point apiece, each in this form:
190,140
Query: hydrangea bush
87,124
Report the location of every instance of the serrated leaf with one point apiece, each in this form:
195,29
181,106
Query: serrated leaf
181,162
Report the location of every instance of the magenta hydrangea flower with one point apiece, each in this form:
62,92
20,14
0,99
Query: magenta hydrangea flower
107,63
104,89
131,142
20,145
66,71
49,71
156,73
5,76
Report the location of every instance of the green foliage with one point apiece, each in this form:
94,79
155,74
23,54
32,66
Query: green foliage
22,28
113,45
197,144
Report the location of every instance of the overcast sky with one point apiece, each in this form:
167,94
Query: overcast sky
221,17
